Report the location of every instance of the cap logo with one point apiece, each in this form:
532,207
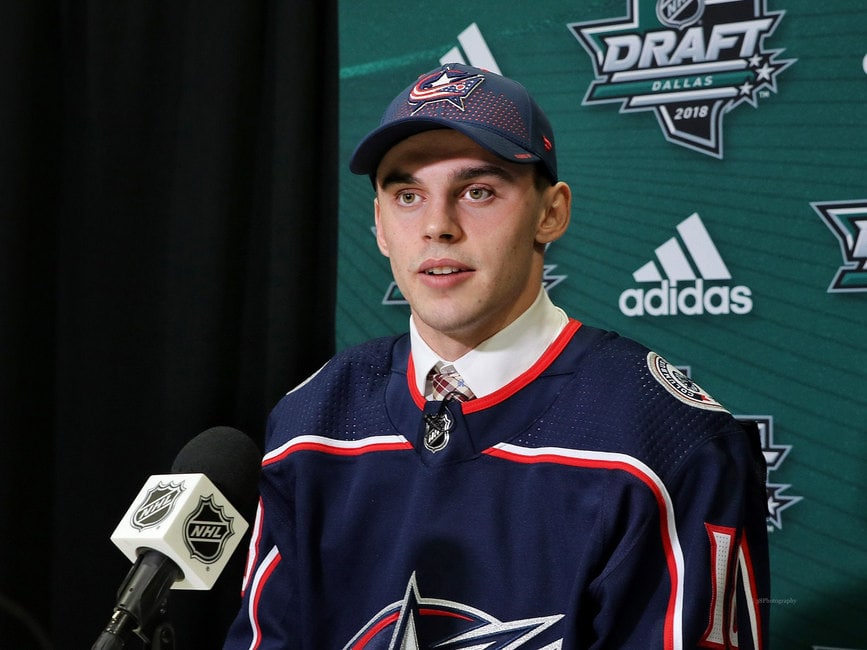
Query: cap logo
452,86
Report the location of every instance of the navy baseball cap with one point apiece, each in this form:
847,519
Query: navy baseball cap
496,112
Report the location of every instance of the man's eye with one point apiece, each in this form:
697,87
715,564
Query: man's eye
406,198
478,193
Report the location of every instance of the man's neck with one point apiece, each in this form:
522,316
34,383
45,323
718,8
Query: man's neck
446,347
492,363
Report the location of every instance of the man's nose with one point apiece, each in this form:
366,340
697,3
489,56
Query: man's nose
441,222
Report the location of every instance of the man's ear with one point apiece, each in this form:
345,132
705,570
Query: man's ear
557,210
380,240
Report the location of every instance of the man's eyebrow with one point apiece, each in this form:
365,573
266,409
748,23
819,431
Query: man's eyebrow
472,173
397,177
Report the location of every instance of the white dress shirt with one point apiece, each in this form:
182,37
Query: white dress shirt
501,358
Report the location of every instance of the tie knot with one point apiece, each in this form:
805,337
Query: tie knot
447,383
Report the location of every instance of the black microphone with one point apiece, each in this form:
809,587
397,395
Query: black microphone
182,528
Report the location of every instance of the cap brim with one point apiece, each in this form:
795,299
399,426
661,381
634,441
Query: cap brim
370,151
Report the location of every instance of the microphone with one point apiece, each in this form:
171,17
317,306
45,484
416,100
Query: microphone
182,528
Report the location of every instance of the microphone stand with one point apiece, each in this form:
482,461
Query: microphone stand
163,637
143,595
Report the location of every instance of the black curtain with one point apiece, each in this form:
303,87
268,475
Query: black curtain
167,259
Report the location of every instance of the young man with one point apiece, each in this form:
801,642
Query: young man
582,493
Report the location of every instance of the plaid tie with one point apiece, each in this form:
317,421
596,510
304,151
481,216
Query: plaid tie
447,383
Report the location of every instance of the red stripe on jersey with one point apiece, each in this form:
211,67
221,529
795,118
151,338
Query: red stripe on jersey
752,595
375,630
262,575
253,551
385,621
673,633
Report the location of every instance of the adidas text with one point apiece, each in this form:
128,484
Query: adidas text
690,300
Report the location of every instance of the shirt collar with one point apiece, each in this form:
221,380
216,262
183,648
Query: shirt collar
501,358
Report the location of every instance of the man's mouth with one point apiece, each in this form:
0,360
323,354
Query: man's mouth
443,270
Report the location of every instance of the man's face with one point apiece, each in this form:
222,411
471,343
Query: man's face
464,231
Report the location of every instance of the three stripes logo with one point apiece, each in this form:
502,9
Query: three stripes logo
687,270
476,49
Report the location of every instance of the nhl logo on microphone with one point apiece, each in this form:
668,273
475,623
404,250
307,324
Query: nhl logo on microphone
157,504
186,518
206,530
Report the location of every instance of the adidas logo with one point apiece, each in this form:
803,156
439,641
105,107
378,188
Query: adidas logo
683,289
476,49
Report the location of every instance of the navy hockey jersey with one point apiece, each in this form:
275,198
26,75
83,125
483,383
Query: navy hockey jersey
600,500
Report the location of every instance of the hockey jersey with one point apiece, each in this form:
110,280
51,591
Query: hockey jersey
600,500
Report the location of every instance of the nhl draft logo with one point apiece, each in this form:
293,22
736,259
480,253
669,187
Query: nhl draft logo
452,86
419,622
688,61
848,221
206,531
157,505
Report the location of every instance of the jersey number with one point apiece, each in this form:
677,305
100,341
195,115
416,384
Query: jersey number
729,582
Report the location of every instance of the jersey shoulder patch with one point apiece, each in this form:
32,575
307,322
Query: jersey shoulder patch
679,385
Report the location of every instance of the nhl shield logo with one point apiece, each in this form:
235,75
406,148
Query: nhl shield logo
437,427
156,505
206,531
679,13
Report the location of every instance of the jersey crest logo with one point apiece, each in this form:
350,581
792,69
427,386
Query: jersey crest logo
206,531
680,385
848,221
688,61
157,504
452,86
418,622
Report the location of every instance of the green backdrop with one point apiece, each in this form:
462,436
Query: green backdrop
717,151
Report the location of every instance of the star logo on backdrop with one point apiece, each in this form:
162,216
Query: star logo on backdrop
774,455
848,221
777,502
